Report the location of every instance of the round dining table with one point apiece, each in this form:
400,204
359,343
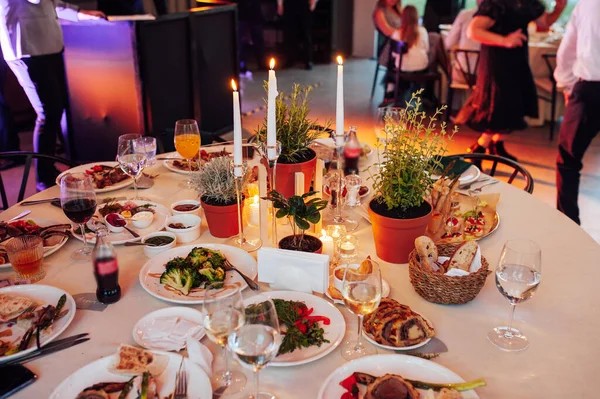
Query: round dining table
559,320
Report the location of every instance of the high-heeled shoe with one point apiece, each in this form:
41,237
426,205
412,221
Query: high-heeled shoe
497,148
476,149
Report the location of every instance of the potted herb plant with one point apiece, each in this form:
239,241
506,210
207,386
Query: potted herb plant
399,211
301,214
216,186
295,132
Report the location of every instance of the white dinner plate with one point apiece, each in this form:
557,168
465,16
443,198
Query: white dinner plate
212,148
82,168
151,271
334,332
161,214
42,222
370,338
96,372
146,322
468,176
411,367
385,292
45,295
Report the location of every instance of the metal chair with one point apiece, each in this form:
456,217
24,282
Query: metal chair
517,168
29,157
549,86
467,62
383,41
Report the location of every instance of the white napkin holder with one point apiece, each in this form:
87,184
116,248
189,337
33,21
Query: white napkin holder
475,265
293,270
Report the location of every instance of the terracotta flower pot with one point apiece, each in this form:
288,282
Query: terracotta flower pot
395,238
285,175
222,219
313,244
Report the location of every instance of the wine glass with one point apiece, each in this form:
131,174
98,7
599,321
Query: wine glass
335,181
361,290
518,275
187,143
149,144
78,202
257,342
222,316
385,116
131,154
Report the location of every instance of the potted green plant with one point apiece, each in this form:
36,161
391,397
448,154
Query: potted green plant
295,132
215,185
301,214
399,211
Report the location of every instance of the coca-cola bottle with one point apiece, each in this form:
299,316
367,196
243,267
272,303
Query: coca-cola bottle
352,152
106,269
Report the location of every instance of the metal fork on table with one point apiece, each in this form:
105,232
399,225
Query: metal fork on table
467,186
180,384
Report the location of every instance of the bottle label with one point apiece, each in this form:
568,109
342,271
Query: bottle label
352,152
107,267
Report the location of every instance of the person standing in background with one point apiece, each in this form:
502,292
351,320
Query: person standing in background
9,137
297,22
458,39
32,45
251,29
441,12
578,72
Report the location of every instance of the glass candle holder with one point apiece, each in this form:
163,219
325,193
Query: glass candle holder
348,248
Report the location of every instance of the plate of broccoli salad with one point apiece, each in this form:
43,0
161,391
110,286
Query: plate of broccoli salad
180,274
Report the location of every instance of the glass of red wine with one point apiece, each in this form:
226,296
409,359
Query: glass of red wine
78,202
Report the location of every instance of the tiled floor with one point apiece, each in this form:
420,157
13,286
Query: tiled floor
532,146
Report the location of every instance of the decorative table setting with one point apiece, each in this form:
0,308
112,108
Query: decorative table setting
197,306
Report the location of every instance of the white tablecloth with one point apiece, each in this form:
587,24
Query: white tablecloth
560,321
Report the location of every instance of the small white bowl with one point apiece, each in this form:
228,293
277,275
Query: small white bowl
189,234
114,229
141,220
151,251
186,202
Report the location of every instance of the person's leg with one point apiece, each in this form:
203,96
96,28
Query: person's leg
497,147
258,43
290,33
305,31
581,123
9,137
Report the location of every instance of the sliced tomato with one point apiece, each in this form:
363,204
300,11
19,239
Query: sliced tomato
348,383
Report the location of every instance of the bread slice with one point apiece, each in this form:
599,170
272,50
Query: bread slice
13,306
463,256
427,251
134,361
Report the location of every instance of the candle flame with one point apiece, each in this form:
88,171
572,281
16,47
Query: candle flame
323,233
272,63
255,199
340,60
233,85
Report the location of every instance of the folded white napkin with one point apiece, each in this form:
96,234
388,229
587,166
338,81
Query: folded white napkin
475,265
170,333
293,270
200,355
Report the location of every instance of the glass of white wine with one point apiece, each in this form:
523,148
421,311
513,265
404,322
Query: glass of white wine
221,317
361,290
518,275
131,155
257,342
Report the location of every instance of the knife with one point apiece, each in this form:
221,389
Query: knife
50,200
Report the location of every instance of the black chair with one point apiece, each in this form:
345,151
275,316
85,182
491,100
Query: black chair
548,85
29,157
382,41
496,160
467,62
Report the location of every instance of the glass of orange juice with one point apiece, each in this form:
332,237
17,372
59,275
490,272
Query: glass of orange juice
25,253
187,142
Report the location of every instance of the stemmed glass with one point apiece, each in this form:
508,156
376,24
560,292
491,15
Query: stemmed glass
221,317
257,342
361,290
518,275
78,202
131,155
335,183
384,116
149,144
187,143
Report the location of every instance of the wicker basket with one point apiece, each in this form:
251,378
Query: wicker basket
439,288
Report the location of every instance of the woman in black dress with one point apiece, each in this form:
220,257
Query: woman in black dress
505,91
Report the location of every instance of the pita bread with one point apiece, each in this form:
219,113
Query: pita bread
13,306
134,361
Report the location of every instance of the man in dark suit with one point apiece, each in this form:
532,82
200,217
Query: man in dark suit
297,22
441,12
129,7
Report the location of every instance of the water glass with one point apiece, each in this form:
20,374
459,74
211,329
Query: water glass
149,144
518,275
132,155
385,116
26,254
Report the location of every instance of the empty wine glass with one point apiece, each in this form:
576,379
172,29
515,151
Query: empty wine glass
131,154
333,183
187,143
518,275
222,316
78,202
361,290
257,342
149,143
385,115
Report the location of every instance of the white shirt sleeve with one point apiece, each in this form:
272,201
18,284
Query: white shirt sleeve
453,37
567,55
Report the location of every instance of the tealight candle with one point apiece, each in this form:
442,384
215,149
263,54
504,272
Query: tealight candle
328,248
255,211
348,247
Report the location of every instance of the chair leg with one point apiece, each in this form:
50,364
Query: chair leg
28,162
375,78
3,194
450,99
552,112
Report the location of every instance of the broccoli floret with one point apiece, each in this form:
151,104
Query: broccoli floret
197,257
177,263
182,280
188,277
212,275
219,274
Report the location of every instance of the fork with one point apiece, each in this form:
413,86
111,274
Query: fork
251,283
467,186
180,384
478,189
